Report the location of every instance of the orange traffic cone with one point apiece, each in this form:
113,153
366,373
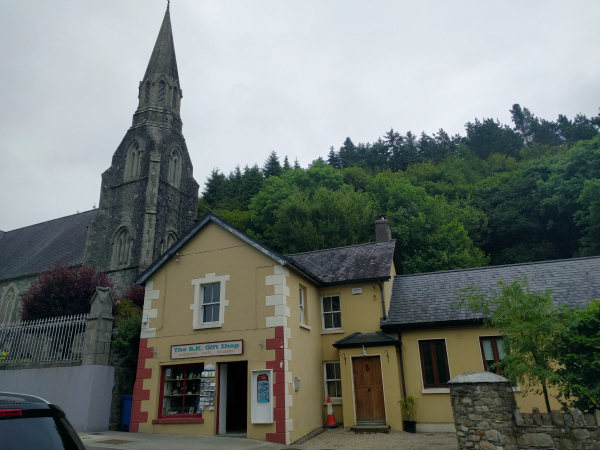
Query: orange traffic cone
330,418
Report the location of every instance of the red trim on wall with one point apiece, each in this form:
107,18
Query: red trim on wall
277,438
278,367
274,344
139,393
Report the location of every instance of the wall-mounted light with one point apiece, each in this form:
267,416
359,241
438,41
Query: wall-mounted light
145,318
297,383
364,351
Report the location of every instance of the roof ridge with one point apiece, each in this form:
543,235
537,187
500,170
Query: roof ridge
337,248
51,220
498,266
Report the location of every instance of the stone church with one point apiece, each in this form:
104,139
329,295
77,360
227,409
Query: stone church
148,197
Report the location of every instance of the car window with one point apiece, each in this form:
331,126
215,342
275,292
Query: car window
36,432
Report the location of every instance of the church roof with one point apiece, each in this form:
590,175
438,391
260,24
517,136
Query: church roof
163,61
33,249
426,299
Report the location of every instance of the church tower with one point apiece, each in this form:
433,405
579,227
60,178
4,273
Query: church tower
148,197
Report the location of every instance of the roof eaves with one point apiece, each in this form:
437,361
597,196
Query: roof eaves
398,327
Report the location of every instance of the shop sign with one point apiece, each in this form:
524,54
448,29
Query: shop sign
207,349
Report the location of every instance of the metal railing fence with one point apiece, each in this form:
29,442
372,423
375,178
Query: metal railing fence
54,339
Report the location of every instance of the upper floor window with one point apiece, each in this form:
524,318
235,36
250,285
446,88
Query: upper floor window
121,248
175,167
211,294
332,312
174,101
209,301
168,241
161,92
492,353
9,307
434,363
147,92
302,294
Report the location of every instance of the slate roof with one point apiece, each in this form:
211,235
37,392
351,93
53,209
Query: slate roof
349,264
354,263
425,300
367,339
33,249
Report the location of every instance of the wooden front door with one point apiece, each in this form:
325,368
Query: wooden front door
368,388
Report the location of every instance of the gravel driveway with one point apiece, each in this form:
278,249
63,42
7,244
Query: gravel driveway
342,438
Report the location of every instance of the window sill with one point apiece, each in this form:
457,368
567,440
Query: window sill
306,327
435,391
333,331
167,420
334,401
208,325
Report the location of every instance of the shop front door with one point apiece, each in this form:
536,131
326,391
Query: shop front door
368,388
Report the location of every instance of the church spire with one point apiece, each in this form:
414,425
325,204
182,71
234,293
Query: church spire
163,61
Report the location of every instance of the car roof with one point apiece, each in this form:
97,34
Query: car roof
12,399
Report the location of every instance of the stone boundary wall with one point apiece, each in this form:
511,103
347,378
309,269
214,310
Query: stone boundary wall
486,417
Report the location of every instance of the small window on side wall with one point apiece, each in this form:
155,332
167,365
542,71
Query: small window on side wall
333,380
161,92
147,92
434,363
302,295
332,312
492,353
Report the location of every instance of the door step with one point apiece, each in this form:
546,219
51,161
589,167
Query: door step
371,426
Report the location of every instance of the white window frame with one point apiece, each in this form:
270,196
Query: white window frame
197,306
333,329
334,400
302,294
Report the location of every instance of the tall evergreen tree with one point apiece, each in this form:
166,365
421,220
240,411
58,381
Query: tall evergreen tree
333,159
296,164
286,164
347,153
272,167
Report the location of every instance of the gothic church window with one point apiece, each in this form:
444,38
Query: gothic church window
121,248
9,307
134,160
168,241
175,167
161,92
147,94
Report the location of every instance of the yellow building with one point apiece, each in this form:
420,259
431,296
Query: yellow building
440,342
237,338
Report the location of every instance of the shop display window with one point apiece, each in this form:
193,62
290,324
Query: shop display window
180,391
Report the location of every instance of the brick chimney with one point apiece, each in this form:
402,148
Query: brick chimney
383,232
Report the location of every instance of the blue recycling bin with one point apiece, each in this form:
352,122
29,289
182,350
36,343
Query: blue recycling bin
126,414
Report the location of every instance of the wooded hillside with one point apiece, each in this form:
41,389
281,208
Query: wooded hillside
497,195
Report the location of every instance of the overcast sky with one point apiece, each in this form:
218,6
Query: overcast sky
295,76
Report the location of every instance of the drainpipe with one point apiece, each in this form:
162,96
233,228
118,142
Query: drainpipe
382,300
401,365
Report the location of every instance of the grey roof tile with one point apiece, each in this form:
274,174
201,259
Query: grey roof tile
367,339
344,264
39,247
427,298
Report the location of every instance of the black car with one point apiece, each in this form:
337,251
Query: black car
28,422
